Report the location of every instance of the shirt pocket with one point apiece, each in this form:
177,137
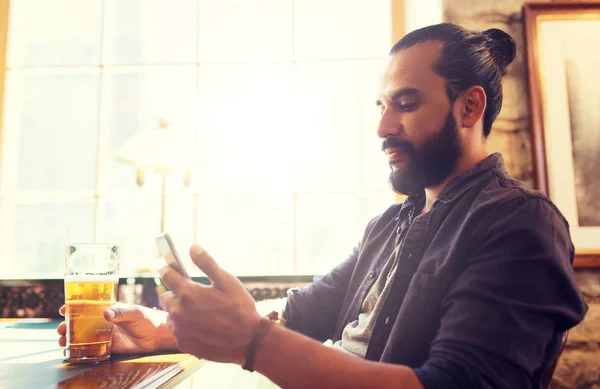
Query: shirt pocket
427,283
418,320
423,301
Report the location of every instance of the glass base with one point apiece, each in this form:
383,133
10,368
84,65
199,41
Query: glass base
89,353
88,359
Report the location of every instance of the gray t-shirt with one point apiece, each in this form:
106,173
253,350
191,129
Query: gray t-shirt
356,335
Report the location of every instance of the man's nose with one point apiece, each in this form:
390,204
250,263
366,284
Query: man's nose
388,125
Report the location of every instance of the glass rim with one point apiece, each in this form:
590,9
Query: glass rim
92,244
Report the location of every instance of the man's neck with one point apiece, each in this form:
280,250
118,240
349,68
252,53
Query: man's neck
464,164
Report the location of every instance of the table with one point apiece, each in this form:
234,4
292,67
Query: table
31,358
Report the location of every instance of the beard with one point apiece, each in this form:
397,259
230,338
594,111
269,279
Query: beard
430,164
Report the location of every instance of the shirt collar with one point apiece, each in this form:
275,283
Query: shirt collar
464,181
459,184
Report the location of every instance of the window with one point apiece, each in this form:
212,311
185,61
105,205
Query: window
275,96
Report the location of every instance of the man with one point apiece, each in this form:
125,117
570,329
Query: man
466,284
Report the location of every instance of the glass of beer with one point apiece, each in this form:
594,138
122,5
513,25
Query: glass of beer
91,278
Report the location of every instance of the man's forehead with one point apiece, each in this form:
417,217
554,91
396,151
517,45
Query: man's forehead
412,68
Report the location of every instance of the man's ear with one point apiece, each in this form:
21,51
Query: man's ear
473,107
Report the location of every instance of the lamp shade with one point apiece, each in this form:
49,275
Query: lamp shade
159,149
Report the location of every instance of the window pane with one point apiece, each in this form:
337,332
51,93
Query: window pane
245,30
331,225
6,233
58,32
10,131
375,171
137,99
151,31
58,131
335,131
132,223
249,234
41,232
341,29
245,128
179,222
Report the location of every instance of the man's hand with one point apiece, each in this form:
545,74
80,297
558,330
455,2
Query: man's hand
213,322
136,329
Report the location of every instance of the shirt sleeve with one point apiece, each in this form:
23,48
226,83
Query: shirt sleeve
504,314
313,310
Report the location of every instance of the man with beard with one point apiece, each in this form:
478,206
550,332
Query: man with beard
466,284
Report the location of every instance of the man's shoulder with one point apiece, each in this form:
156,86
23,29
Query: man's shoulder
505,194
489,186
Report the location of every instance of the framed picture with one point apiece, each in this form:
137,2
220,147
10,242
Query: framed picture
563,54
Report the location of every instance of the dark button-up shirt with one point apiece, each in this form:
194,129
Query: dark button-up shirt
482,293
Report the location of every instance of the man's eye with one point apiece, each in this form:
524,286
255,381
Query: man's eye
408,107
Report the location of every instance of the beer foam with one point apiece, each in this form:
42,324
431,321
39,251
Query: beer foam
105,304
92,278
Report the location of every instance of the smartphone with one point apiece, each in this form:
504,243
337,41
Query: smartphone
168,252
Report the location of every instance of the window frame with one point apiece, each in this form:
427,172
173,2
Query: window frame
397,31
4,12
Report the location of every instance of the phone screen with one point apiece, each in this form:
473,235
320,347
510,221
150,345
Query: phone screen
168,252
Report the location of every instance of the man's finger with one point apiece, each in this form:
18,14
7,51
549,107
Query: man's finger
219,277
61,310
172,279
62,328
123,313
166,301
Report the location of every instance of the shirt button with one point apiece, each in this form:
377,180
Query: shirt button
372,274
409,255
387,320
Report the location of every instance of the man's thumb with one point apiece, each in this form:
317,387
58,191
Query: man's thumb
209,266
123,313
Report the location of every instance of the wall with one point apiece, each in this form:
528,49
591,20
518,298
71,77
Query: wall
579,365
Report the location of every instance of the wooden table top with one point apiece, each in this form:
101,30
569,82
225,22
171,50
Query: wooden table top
31,358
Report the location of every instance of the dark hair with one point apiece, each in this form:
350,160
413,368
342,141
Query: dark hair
468,58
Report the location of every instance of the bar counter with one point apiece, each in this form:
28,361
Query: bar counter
31,358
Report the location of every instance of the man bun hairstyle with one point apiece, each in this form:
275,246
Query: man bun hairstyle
503,47
468,58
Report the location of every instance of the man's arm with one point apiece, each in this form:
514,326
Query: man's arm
314,309
319,302
292,360
219,322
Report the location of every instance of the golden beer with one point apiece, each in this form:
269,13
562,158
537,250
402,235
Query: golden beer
89,335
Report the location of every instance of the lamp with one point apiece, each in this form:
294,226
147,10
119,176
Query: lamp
162,151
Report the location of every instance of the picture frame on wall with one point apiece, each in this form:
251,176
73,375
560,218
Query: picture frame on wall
563,55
